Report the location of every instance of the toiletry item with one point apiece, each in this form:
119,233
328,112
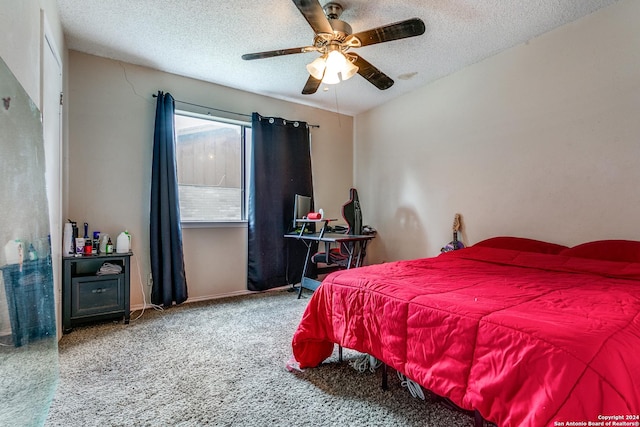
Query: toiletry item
103,243
74,227
68,244
86,230
123,243
88,246
95,243
79,245
13,252
33,255
109,246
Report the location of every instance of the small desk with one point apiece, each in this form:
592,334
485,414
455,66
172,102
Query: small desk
305,222
355,250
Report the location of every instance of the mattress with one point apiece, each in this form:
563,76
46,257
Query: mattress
525,338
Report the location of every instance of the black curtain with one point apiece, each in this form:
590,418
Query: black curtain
167,260
280,168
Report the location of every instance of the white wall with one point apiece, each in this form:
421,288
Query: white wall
21,37
540,141
111,120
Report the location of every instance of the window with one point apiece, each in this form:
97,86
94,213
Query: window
210,157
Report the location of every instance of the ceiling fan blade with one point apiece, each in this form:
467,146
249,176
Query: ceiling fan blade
399,30
372,74
314,14
311,86
280,52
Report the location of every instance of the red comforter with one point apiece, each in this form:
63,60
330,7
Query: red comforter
527,339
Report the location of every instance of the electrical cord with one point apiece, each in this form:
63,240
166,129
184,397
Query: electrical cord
364,363
144,298
370,363
413,387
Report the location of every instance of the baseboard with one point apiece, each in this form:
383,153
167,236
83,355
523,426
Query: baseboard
6,340
138,307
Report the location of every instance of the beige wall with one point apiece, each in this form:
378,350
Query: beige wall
540,141
111,119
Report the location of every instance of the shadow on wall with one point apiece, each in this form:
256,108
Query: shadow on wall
403,238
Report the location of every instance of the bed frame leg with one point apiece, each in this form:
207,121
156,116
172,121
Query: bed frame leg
339,353
478,420
385,380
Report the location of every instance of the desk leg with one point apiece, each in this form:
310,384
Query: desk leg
322,230
327,252
304,226
350,248
363,246
304,269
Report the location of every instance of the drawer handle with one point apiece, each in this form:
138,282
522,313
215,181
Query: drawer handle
99,291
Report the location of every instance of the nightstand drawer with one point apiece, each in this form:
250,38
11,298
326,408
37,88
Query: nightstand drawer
96,295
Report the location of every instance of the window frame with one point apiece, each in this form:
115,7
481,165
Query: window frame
244,167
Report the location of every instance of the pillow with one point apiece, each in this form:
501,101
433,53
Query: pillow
521,244
608,250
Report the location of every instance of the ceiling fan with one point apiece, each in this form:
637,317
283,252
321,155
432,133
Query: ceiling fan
333,38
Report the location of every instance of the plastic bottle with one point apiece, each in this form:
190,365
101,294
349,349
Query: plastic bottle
95,247
122,243
104,238
33,255
129,236
68,246
13,252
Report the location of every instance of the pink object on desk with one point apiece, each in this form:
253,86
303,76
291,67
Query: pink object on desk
314,215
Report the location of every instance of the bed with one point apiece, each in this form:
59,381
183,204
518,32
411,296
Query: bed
524,332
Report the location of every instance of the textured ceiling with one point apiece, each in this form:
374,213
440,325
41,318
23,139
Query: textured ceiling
204,39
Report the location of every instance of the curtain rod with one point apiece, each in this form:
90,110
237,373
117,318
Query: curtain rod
223,111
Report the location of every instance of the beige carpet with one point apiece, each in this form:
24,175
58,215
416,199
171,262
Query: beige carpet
222,363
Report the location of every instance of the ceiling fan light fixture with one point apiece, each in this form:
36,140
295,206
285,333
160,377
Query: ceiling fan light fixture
335,61
332,68
317,67
349,70
330,77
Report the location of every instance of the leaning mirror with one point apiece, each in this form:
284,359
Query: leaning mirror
28,343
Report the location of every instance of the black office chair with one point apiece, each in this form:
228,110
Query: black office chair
338,258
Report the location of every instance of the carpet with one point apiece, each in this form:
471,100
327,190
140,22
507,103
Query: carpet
222,363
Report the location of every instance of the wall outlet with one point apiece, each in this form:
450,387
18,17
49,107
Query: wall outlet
150,280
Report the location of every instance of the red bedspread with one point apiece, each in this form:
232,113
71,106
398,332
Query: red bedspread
527,339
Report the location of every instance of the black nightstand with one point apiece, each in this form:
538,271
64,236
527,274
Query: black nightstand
89,297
